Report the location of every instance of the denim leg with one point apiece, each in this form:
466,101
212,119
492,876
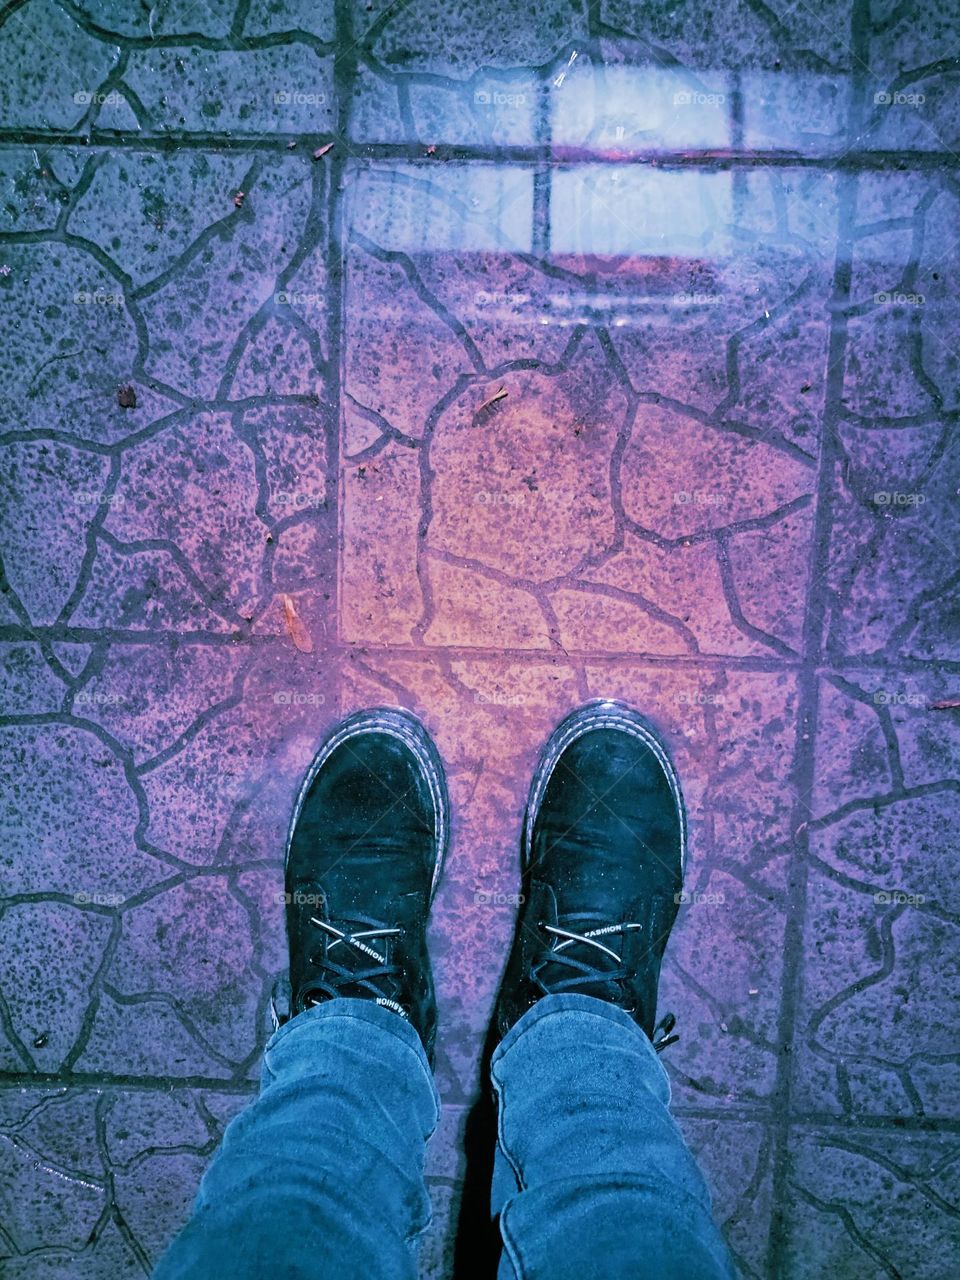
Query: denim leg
593,1178
323,1174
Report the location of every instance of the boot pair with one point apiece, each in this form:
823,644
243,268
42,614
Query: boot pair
602,858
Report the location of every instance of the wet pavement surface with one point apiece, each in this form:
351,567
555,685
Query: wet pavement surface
483,361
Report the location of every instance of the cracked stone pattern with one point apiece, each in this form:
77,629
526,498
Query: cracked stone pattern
514,422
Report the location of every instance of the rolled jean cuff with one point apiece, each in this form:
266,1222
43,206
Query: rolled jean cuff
591,1006
313,1023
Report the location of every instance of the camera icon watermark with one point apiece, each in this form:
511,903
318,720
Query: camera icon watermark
898,99
499,98
683,299
87,498
98,298
897,698
296,98
95,698
699,498
299,898
87,98
888,498
897,898
501,699
298,501
291,298
96,899
493,298
295,698
895,298
695,98
700,698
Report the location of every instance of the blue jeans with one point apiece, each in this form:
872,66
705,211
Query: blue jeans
323,1175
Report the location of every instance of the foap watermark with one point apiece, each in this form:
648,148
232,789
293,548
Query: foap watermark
299,898
684,299
493,498
298,501
898,99
98,98
485,899
696,898
696,98
893,498
898,898
297,98
897,698
699,698
83,898
517,498
699,498
499,98
89,498
98,298
292,298
296,698
493,298
97,698
896,298
501,699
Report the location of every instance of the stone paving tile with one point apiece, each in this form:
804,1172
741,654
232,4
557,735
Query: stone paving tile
450,79
545,543
796,38
894,540
98,67
254,91
101,1177
58,67
735,1158
34,186
882,910
911,102
859,1208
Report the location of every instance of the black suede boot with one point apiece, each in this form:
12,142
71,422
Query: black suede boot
364,853
604,845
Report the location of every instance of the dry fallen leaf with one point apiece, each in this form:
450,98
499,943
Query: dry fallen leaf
499,394
126,397
296,630
322,151
238,199
951,704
